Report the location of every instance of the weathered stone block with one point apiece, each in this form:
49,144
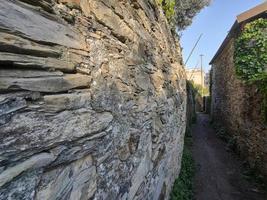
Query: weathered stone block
46,84
27,61
76,181
23,20
34,162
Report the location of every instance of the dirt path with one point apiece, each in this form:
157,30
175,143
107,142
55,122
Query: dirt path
218,173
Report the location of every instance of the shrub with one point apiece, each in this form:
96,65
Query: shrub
181,12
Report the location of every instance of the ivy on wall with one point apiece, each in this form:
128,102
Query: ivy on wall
250,56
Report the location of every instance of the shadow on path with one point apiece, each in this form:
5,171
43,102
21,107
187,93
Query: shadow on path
218,172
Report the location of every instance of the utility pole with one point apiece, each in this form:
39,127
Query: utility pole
201,58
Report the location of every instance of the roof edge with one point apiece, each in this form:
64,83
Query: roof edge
240,19
252,12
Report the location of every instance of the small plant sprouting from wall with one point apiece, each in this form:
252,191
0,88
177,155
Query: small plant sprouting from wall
169,8
251,57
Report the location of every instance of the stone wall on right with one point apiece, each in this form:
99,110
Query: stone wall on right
237,107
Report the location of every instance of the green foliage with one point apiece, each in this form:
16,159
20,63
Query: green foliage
251,52
169,8
199,89
183,186
186,10
181,12
250,56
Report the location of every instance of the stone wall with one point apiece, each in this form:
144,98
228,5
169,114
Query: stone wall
191,105
238,107
92,100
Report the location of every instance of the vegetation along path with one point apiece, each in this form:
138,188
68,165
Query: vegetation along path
218,171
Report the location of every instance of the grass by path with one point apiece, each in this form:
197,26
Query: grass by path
183,186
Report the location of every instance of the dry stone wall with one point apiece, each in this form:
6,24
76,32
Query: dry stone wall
92,100
238,107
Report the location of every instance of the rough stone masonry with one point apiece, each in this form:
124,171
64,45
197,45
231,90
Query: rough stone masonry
92,100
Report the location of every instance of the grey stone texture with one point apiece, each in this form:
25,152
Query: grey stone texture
238,107
92,100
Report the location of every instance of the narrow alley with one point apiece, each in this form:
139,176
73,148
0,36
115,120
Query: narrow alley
218,171
104,99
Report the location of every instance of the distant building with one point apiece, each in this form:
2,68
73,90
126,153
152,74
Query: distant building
196,76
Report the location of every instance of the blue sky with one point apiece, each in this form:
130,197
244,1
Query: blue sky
214,22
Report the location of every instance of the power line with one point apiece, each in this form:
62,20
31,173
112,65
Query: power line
193,49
